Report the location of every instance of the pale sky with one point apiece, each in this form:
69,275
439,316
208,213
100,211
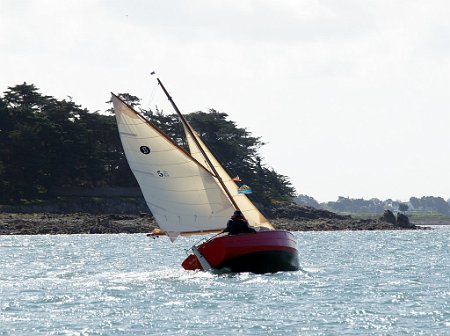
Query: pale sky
352,97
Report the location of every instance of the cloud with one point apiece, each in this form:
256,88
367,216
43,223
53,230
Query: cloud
347,87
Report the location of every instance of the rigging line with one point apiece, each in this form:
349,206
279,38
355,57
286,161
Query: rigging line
219,158
164,136
188,127
253,198
152,96
231,171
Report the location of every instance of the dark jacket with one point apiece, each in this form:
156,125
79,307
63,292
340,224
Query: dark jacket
238,225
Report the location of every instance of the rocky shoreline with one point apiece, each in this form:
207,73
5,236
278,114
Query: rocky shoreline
78,223
292,218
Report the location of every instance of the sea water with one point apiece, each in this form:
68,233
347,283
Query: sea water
351,283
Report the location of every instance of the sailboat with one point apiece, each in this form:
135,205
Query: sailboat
190,192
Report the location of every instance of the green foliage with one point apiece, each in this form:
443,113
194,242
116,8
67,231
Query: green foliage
345,204
49,143
350,205
430,203
234,147
403,207
429,216
307,200
416,205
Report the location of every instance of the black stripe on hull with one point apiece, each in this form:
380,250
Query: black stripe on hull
262,262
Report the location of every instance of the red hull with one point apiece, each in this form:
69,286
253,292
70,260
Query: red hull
261,252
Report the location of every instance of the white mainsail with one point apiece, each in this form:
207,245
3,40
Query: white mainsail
251,213
183,196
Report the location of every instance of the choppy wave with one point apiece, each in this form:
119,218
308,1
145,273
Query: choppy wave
352,283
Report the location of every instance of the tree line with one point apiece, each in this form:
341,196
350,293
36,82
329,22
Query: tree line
374,205
49,143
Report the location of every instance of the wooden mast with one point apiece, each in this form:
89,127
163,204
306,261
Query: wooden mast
191,132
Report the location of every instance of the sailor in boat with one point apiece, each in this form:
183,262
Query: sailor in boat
238,224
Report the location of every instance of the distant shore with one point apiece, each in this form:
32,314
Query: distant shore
82,223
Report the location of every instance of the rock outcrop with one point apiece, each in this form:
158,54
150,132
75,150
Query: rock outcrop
290,217
45,223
